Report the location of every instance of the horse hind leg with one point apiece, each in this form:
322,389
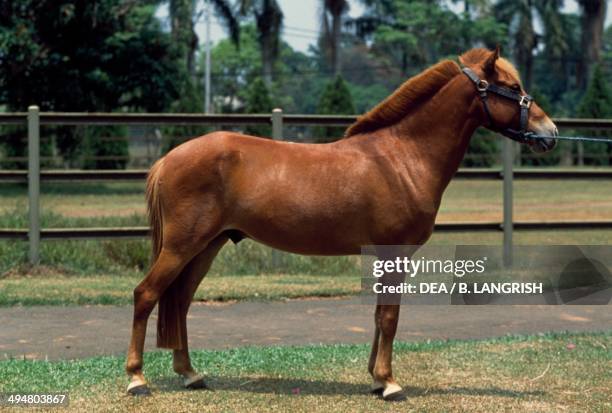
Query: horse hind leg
146,295
187,284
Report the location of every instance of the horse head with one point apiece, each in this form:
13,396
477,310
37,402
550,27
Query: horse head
507,108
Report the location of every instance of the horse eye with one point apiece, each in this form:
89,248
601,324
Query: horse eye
516,87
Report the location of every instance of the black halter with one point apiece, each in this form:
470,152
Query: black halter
482,86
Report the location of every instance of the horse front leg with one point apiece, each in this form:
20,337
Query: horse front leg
387,317
377,387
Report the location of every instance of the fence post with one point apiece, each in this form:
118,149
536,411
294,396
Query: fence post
277,134
508,225
34,184
277,124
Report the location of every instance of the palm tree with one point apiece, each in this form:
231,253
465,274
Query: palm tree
593,20
183,32
183,18
520,14
269,21
331,18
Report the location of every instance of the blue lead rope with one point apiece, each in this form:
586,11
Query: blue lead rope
569,138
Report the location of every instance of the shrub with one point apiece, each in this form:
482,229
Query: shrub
336,100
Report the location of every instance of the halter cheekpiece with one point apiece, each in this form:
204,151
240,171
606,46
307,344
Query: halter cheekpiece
524,101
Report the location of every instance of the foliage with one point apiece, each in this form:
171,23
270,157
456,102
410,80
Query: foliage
13,144
520,16
336,100
483,150
233,69
597,103
84,56
190,102
268,18
115,55
258,101
419,33
107,148
332,12
553,75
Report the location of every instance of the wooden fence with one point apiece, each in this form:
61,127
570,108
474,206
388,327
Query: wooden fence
34,119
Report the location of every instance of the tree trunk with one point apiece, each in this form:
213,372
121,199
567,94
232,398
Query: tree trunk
269,23
525,41
191,53
335,43
183,32
267,58
593,20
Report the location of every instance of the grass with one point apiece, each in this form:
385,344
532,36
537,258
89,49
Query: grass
544,373
54,289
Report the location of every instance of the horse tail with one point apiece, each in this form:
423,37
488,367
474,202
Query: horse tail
169,324
154,209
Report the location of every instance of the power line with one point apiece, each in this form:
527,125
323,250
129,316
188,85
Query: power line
298,32
301,29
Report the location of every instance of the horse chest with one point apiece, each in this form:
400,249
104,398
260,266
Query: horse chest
405,223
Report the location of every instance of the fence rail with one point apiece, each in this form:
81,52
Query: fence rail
33,119
63,175
143,232
94,118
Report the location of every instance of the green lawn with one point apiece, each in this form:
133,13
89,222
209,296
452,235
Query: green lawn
544,373
56,289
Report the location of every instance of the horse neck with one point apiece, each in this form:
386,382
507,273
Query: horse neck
436,135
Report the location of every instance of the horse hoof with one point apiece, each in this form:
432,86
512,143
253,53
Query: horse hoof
377,388
196,382
139,390
393,393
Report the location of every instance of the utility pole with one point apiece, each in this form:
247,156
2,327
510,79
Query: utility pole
207,71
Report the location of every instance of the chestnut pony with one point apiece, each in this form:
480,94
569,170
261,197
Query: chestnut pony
381,184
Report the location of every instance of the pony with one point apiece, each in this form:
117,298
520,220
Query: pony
381,184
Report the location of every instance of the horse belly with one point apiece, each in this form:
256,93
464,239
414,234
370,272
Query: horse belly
306,226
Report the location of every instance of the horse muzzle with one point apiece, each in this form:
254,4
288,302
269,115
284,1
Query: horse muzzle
545,128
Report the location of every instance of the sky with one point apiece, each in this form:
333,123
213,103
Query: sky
301,23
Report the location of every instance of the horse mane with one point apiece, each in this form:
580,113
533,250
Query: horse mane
408,96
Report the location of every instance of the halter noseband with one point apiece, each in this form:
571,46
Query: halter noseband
482,86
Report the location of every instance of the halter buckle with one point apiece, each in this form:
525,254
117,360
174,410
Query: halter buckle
482,85
525,101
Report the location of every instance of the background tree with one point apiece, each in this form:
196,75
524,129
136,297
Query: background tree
182,25
84,56
336,100
597,103
107,147
332,12
258,101
269,22
184,15
483,150
414,34
593,20
519,15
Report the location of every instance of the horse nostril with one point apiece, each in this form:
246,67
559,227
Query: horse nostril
556,132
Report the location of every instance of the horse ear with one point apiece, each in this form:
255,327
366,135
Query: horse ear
489,64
